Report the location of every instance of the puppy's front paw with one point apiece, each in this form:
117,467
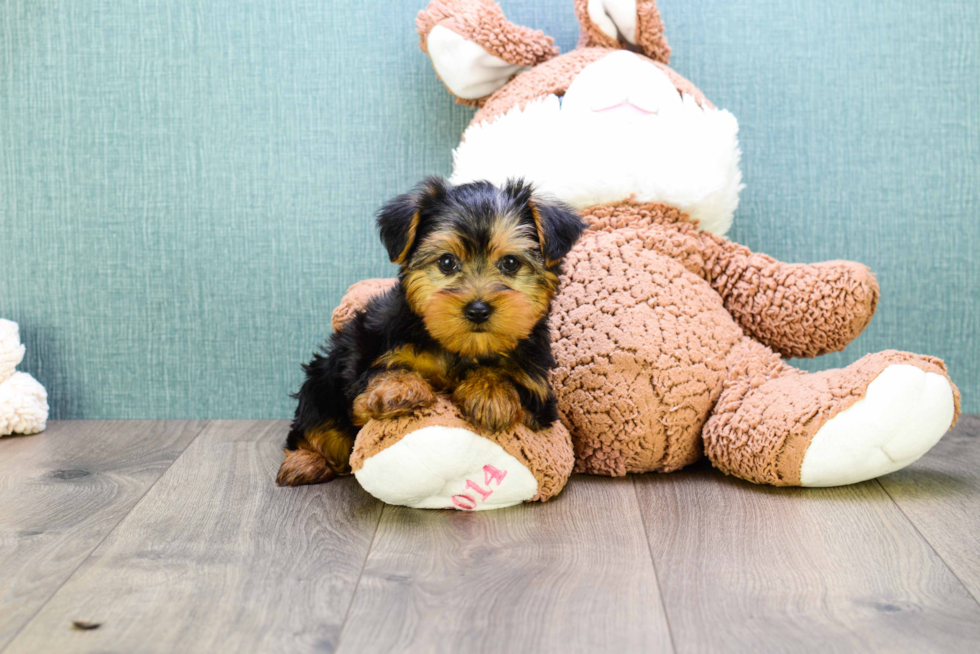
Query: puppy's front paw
392,394
491,403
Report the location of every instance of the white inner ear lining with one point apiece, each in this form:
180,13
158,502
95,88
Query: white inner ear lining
469,71
615,18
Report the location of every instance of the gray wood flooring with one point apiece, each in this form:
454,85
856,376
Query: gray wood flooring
172,538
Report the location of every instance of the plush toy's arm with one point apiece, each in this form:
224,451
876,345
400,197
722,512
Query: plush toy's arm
357,297
474,49
798,310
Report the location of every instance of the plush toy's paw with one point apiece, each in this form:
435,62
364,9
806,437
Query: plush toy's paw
392,394
776,425
356,299
904,412
435,460
444,468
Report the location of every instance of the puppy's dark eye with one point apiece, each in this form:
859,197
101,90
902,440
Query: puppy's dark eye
509,264
447,264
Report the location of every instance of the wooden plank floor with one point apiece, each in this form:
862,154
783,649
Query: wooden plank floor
63,492
173,538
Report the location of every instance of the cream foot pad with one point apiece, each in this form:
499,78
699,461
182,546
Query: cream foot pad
447,468
904,412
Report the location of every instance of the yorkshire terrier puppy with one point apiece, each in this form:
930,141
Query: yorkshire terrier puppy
479,266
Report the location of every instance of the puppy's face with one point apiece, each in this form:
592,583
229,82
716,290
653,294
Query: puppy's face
480,288
479,264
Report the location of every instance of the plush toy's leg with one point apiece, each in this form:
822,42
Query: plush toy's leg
777,425
627,415
434,459
638,372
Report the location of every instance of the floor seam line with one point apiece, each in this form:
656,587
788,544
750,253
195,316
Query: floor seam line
360,574
928,542
103,539
653,564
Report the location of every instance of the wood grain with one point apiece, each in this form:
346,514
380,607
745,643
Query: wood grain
762,569
215,558
571,575
62,492
209,556
940,494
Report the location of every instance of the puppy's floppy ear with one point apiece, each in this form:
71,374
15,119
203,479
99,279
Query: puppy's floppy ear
557,224
558,228
400,219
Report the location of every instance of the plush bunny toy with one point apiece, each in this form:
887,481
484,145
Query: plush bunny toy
669,338
23,401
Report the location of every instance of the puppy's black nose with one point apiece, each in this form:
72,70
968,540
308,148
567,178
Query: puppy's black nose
477,311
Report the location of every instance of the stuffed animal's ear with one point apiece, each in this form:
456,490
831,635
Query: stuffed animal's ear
400,219
474,49
629,24
557,224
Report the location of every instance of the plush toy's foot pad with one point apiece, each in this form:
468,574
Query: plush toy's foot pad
447,468
905,411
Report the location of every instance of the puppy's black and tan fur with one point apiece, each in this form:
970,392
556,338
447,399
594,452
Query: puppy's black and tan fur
469,317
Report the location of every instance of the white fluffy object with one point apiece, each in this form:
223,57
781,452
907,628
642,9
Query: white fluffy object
23,401
621,131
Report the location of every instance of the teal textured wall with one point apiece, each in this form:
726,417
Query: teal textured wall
187,188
